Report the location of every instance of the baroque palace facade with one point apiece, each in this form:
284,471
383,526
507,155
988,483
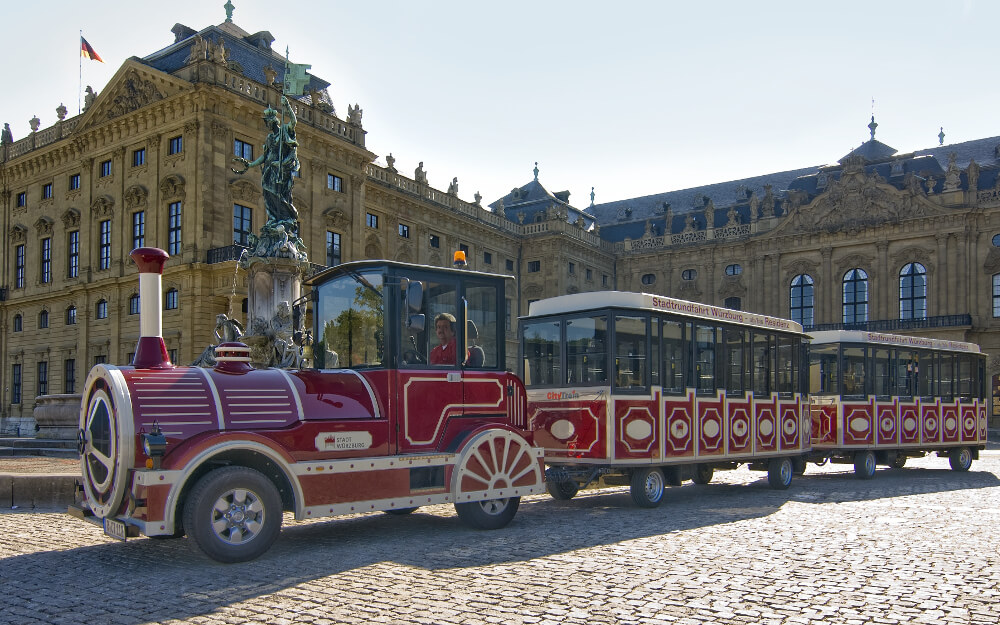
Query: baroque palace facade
892,242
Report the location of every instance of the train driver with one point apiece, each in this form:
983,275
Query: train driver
444,327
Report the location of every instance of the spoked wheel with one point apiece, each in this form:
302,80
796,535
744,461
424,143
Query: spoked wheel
960,458
647,487
702,474
779,473
899,461
233,514
864,465
562,489
400,511
494,465
491,514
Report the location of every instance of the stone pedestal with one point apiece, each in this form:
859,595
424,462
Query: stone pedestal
57,416
275,284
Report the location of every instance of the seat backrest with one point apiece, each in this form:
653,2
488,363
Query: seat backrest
476,356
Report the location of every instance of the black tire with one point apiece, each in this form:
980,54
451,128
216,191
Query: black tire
899,461
491,514
647,487
960,458
401,511
672,475
702,474
779,473
864,464
252,517
799,466
563,489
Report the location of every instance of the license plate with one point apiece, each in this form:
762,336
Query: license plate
115,529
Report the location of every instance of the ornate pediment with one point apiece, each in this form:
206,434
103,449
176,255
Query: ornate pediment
172,188
18,234
134,86
135,197
732,286
103,206
857,201
855,261
912,254
373,247
44,226
71,218
801,267
242,190
688,290
404,254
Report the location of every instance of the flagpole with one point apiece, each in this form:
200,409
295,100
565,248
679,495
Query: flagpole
79,89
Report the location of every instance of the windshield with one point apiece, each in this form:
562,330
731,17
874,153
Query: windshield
350,316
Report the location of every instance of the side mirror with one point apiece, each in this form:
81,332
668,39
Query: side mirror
415,323
415,296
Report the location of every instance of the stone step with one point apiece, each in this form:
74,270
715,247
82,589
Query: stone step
50,452
37,443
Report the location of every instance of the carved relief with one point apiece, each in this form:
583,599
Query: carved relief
373,249
855,261
533,291
135,197
219,130
18,234
992,263
912,254
71,218
336,218
244,191
800,267
44,226
732,286
688,290
172,188
103,207
134,94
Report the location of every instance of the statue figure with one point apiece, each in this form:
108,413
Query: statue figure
88,99
279,162
198,50
219,53
591,196
6,136
419,174
453,186
354,115
478,197
227,330
269,75
390,163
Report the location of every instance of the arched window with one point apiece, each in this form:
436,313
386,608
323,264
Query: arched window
733,303
19,324
734,270
43,319
689,274
133,304
913,292
170,301
649,278
101,309
71,315
856,296
801,300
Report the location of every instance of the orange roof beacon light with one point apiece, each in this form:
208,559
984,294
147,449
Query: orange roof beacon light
460,259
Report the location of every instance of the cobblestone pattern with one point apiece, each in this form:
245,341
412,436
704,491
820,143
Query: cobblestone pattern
918,545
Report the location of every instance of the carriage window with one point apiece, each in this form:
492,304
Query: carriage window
854,371
906,373
654,352
541,353
763,364
736,359
586,350
674,369
630,353
881,372
946,372
823,378
927,378
481,327
705,338
350,313
786,367
965,377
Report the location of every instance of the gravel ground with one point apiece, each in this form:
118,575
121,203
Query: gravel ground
39,465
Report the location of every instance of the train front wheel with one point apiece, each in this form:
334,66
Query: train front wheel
960,458
702,474
864,465
647,487
562,489
779,473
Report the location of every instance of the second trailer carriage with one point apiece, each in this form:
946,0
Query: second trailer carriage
645,390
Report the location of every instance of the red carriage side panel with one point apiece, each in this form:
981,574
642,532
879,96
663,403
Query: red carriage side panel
766,425
951,426
970,424
858,423
887,422
740,430
930,423
636,427
788,417
825,424
678,423
567,424
711,435
909,422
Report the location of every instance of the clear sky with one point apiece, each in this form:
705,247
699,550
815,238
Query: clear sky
632,98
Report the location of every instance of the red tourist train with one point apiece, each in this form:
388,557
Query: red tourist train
385,421
882,398
644,390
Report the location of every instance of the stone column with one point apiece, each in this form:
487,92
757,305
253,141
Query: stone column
826,312
944,274
886,284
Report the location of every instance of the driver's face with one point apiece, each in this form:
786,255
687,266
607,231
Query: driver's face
443,330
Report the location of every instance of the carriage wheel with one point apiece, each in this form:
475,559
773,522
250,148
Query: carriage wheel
702,474
779,473
647,487
864,465
960,458
899,461
562,489
493,464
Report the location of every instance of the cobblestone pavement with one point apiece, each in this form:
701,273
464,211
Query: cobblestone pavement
918,545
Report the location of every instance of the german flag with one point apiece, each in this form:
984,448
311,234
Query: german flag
87,51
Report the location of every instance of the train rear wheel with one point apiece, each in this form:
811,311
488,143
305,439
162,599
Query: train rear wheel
960,458
779,473
899,461
799,466
647,487
562,489
864,465
702,474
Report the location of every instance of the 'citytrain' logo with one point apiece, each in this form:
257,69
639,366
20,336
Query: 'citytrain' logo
563,395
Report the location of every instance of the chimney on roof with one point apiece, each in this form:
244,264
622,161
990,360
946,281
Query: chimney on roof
562,196
182,32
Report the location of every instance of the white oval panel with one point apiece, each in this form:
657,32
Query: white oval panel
562,429
789,427
679,429
765,427
909,424
887,424
739,427
859,424
970,423
950,423
639,429
931,424
710,428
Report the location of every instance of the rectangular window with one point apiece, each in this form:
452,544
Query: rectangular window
105,255
175,145
586,351
74,182
19,267
138,229
435,240
242,224
332,248
139,157
590,275
69,376
404,231
105,168
371,220
22,199
487,258
572,268
854,371
674,363
15,384
881,372
464,248
47,191
73,254
631,363
43,378
996,295
174,229
506,313
542,353
46,258
509,264
243,149
705,340
335,183
100,359
763,364
736,343
534,266
173,355
604,279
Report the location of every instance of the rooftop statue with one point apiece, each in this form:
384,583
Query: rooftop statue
278,162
